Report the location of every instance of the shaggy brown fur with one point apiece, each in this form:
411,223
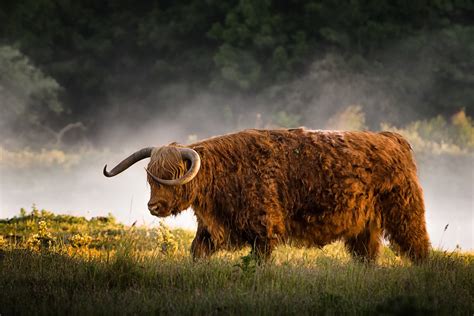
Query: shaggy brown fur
263,187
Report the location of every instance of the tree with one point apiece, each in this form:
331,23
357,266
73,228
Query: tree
29,100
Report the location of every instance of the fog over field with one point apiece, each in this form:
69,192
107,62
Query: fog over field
65,176
81,189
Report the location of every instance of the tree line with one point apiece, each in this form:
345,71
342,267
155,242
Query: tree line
77,58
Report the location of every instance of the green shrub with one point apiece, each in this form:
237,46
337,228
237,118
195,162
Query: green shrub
438,135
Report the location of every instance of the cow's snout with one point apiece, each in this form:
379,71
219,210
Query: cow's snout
159,208
152,206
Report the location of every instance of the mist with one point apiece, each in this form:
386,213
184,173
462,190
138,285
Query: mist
78,187
82,190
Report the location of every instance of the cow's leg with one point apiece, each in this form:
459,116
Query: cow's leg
202,245
264,220
262,248
404,221
268,230
365,246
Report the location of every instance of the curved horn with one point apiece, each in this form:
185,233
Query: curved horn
186,153
130,160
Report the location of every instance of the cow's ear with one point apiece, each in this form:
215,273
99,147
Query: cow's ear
200,150
188,164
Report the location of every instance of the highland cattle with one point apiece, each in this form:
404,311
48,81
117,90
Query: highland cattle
265,187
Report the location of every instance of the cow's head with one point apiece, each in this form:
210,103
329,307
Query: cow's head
169,171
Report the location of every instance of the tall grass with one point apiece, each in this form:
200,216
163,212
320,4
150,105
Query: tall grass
135,274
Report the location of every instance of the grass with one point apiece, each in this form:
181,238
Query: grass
149,271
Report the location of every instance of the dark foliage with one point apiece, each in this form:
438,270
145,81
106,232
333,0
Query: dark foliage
101,52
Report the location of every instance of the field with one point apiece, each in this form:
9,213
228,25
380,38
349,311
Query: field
59,264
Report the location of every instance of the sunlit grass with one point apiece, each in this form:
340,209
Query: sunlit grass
149,270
